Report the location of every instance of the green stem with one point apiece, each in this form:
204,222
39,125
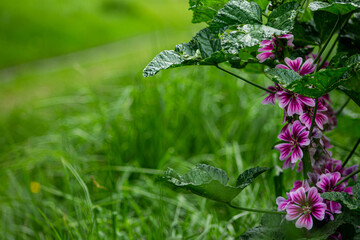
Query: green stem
347,177
313,118
342,107
307,167
352,152
256,210
328,53
327,41
243,79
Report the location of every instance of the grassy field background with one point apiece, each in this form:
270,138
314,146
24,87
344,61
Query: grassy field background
83,136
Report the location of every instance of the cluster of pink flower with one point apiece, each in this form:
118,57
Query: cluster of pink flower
304,202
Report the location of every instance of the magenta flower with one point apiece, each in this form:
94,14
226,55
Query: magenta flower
270,99
283,202
313,56
293,102
296,139
305,206
297,66
267,47
328,181
320,119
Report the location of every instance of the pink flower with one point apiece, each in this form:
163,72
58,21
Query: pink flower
328,181
305,206
313,56
293,102
267,47
296,139
270,99
320,119
283,202
297,66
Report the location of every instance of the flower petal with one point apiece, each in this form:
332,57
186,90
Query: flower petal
284,98
265,55
295,106
294,64
303,139
299,196
313,196
318,211
304,221
307,101
306,119
297,154
282,66
320,119
297,128
282,203
269,99
285,134
293,211
285,149
308,67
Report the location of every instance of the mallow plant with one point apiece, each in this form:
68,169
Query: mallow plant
306,49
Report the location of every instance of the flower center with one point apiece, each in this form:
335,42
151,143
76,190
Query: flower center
307,209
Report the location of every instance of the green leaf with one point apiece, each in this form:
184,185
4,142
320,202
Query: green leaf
205,10
305,34
262,3
164,60
247,177
211,182
349,40
352,86
343,198
324,23
237,12
203,49
336,7
247,35
312,85
283,17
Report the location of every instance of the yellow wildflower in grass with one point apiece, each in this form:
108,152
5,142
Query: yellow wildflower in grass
35,187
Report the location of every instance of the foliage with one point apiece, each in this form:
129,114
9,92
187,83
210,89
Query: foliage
285,34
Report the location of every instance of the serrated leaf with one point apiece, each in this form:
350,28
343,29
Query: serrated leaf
237,12
283,17
247,177
203,49
210,182
205,10
336,7
313,85
164,60
343,198
247,35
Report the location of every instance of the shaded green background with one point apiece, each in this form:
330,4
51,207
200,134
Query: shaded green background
78,118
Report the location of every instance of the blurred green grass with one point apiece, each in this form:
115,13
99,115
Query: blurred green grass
95,134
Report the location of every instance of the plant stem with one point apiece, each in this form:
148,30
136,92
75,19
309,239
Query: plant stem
342,107
243,79
347,177
328,53
352,152
307,167
313,118
327,41
256,210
